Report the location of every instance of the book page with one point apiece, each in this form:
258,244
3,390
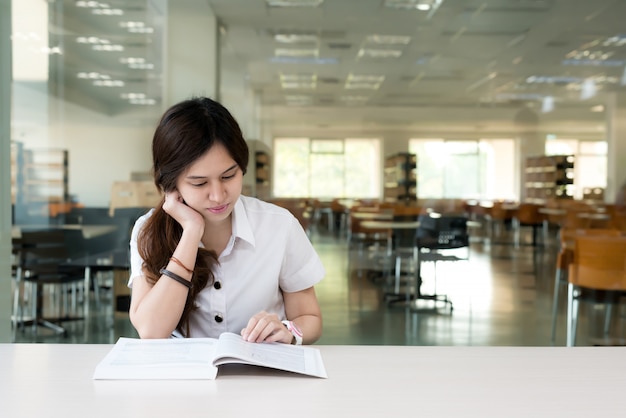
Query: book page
232,348
172,358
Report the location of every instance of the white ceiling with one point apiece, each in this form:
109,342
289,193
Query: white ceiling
467,56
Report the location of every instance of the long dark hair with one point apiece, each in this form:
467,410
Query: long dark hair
185,132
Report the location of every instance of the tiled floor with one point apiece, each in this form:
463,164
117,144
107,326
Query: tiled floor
502,296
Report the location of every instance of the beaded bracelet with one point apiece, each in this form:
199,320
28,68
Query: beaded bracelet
176,277
180,263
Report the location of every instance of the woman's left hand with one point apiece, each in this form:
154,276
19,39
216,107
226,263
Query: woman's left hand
266,327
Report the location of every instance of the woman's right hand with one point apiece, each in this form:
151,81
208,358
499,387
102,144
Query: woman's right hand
185,215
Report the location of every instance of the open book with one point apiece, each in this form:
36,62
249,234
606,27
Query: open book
199,358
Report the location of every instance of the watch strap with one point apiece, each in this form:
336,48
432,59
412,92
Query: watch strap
295,331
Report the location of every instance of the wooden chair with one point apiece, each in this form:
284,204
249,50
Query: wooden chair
565,257
499,216
299,208
597,274
527,214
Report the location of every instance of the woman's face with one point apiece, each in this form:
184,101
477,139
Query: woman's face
212,184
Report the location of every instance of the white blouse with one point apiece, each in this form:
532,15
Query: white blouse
268,251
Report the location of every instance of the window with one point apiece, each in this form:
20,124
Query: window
322,168
469,169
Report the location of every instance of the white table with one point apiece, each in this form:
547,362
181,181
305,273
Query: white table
390,224
368,216
48,380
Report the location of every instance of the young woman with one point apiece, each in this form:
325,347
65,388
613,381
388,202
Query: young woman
209,260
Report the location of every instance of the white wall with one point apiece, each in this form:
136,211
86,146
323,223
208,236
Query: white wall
102,149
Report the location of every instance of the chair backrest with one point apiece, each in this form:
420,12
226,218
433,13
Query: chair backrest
124,219
42,252
599,262
445,232
568,235
528,213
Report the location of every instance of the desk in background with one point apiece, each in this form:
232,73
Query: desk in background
55,380
88,231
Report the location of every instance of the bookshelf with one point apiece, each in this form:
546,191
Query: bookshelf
400,176
549,177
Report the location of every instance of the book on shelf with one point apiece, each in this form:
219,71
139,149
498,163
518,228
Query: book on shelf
200,358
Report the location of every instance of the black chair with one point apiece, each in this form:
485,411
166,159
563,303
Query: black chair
88,216
41,257
405,259
124,219
439,239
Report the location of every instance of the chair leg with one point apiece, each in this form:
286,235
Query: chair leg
572,315
608,310
396,285
555,301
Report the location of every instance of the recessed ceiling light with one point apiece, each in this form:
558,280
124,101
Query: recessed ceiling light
294,3
296,38
298,81
93,75
364,82
617,40
422,5
379,53
365,78
108,47
108,83
298,100
108,12
354,100
388,39
136,27
296,52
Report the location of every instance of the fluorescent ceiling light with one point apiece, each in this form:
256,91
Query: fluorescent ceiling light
136,27
108,12
294,3
364,82
128,96
422,5
354,100
589,55
617,40
388,39
93,75
92,40
304,60
138,99
108,47
597,108
541,79
298,81
588,89
108,83
365,78
519,96
296,52
547,104
296,38
298,100
379,53
594,63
